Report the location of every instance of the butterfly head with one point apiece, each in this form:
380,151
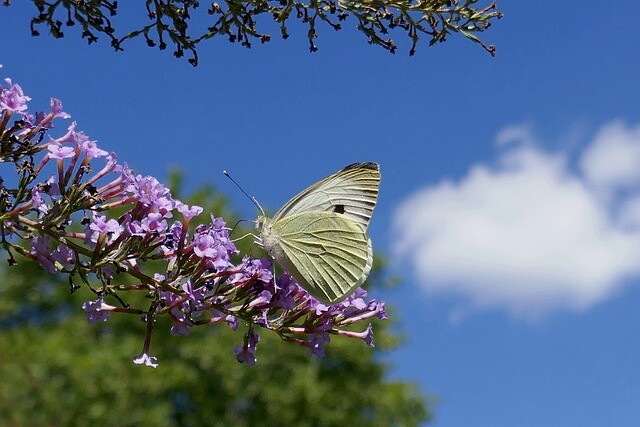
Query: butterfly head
260,221
263,225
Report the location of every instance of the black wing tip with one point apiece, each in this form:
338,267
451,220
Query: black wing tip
363,165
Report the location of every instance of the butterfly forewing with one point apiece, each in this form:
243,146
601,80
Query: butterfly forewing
328,254
351,192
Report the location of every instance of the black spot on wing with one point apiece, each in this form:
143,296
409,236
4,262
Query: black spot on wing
362,165
339,209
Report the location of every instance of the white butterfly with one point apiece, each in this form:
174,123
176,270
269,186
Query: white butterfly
319,236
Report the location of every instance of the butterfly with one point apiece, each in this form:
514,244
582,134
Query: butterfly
319,236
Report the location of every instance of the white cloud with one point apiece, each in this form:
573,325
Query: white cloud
612,161
528,234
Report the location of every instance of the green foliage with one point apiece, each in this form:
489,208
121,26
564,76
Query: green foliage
173,21
56,369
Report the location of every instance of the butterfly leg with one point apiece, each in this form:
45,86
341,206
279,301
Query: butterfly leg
256,238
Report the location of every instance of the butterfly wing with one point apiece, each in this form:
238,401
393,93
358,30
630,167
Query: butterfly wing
328,254
352,192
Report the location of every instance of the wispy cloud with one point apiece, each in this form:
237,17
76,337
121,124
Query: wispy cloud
530,233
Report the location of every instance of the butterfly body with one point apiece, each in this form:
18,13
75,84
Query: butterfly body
319,236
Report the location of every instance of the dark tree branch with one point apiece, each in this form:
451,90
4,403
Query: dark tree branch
169,21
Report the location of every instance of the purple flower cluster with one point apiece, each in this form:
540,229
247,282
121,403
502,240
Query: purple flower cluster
69,223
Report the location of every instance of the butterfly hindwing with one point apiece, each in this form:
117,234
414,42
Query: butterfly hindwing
329,255
352,192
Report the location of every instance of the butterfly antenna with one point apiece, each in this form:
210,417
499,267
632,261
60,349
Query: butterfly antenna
253,199
236,225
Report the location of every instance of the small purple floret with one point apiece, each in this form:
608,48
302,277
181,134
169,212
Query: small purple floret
100,225
97,311
56,109
316,344
189,212
59,152
246,353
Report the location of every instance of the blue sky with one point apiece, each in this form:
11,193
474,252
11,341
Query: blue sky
509,203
